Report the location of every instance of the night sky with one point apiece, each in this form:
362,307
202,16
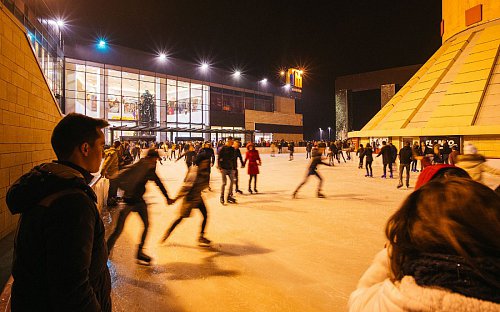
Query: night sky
328,38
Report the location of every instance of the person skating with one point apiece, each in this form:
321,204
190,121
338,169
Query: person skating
313,171
308,150
254,161
405,158
416,153
109,170
386,153
368,153
359,153
189,155
133,181
225,163
237,155
291,149
209,151
195,182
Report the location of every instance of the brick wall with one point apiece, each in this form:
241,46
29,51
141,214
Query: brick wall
28,111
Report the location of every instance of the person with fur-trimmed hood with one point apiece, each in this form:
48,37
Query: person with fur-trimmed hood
195,182
474,163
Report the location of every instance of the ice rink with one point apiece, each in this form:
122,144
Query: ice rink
270,252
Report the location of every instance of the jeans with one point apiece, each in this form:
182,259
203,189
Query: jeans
307,177
139,207
225,173
407,168
203,210
369,166
385,168
414,165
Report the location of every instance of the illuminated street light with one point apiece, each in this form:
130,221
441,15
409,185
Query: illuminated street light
287,86
282,73
101,44
237,74
264,81
329,129
204,66
162,56
60,23
320,134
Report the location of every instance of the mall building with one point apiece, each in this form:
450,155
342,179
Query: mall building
144,96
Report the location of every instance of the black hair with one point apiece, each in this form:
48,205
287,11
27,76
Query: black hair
74,130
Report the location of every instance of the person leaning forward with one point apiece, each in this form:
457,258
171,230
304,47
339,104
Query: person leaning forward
60,254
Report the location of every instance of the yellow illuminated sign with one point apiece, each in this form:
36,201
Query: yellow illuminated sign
294,78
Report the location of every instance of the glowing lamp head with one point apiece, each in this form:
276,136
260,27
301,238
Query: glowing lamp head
237,74
264,81
162,56
102,43
282,73
60,23
204,66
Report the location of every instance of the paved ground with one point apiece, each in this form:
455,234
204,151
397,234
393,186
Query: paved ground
270,253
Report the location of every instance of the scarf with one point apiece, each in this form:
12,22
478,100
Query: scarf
455,274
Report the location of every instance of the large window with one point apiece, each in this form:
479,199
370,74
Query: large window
128,97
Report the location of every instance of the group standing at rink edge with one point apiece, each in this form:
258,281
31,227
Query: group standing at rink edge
439,256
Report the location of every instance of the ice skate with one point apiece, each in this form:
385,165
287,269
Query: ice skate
255,190
384,177
294,195
239,192
231,199
321,195
142,258
400,185
222,199
204,242
250,191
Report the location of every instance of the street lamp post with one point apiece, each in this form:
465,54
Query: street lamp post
329,129
320,134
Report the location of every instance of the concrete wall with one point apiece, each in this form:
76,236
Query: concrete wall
275,118
28,111
454,14
284,105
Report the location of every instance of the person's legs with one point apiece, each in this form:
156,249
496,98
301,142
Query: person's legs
255,183
236,178
171,228
300,185
224,182
122,216
142,209
250,183
203,210
371,170
231,182
320,181
385,170
390,169
113,189
407,166
401,167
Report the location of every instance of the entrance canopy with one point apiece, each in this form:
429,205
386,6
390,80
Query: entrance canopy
173,129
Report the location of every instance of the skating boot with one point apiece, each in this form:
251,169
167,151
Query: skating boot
250,191
239,192
255,190
400,185
391,176
222,199
231,199
383,176
142,258
294,195
204,242
321,195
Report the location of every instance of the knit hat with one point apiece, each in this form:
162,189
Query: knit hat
432,172
470,149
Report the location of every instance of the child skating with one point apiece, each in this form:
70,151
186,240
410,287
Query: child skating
313,170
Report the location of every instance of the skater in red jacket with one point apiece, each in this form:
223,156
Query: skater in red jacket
253,158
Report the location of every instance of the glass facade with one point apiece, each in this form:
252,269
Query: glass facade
128,97
46,40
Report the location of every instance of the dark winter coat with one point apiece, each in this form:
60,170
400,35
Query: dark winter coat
210,154
195,182
315,161
360,152
405,155
141,173
386,153
368,153
190,156
394,153
60,253
237,155
252,156
226,158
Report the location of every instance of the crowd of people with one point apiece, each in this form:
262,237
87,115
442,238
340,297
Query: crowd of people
442,243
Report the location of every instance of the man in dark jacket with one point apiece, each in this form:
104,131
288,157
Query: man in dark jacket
225,163
237,155
60,254
137,176
386,153
209,152
405,157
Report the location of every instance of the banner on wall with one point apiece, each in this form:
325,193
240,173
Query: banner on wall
376,143
431,141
